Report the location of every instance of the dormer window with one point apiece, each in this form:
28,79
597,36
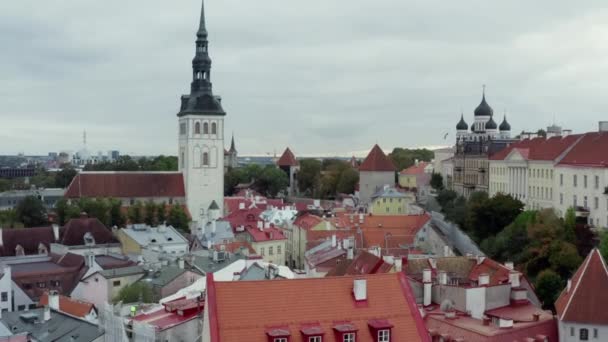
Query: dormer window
280,339
381,329
315,339
42,249
89,240
384,335
19,251
348,337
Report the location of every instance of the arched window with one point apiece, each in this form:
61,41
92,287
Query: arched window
206,128
206,158
213,128
197,128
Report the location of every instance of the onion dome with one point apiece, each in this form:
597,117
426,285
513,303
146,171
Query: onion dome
462,125
504,126
491,124
484,108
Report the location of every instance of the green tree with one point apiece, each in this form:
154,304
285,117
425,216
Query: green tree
150,213
272,181
64,177
603,247
97,208
161,214
135,293
570,226
8,218
548,287
232,178
5,184
564,258
437,181
178,218
349,178
309,177
117,219
446,197
135,213
31,212
404,158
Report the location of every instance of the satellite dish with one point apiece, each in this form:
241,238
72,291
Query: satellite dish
447,305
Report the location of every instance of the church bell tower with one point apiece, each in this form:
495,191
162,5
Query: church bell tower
201,136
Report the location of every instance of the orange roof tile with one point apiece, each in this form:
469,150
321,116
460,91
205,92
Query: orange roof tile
587,299
415,169
69,306
376,160
293,305
287,159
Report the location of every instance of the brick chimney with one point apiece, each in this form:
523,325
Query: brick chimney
53,300
428,286
360,289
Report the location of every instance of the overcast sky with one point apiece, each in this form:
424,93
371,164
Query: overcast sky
320,76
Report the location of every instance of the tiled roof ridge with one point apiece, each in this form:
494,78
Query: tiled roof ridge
580,279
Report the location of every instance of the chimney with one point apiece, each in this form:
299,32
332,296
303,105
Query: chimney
53,300
266,225
569,286
89,259
345,244
260,225
327,225
360,289
56,232
536,317
398,265
514,279
509,265
446,251
209,244
603,126
213,227
443,277
433,263
360,218
428,286
486,320
46,316
242,206
484,279
333,241
350,253
180,263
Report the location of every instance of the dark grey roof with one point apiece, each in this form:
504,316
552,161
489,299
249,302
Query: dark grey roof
462,125
223,232
232,146
121,272
484,108
491,124
254,272
163,276
201,100
504,126
214,206
60,327
203,261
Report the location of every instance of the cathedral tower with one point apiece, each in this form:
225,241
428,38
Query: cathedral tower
201,136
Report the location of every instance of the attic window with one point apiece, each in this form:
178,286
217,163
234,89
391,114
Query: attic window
153,240
169,239
89,240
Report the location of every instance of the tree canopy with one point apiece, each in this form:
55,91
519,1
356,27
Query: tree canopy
404,158
31,212
268,180
135,293
127,163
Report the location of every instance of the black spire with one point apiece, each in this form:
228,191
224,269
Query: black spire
462,125
504,126
491,124
201,100
484,108
232,147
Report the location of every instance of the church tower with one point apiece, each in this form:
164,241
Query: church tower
201,136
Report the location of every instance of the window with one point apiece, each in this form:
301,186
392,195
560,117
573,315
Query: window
597,182
595,333
4,296
384,335
348,337
585,202
315,339
574,204
213,128
585,181
584,334
270,250
20,307
116,283
27,286
55,283
41,285
561,179
279,249
574,180
262,251
206,158
561,198
182,128
197,128
206,128
596,203
280,339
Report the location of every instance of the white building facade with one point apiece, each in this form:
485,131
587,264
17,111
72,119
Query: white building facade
201,135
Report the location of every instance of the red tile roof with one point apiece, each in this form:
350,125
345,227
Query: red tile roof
235,246
232,204
287,159
72,234
364,263
590,151
126,185
376,160
539,148
297,303
175,313
415,169
70,306
307,221
498,273
267,234
472,330
244,218
587,299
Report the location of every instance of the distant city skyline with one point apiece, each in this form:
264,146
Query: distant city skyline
322,78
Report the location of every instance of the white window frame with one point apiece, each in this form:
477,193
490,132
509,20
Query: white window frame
315,339
349,337
280,339
384,335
